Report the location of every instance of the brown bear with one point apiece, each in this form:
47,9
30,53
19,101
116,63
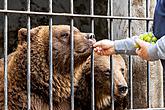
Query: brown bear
17,67
102,75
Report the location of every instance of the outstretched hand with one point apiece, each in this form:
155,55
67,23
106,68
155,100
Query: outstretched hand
104,47
142,51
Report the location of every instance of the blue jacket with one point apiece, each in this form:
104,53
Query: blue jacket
159,19
159,22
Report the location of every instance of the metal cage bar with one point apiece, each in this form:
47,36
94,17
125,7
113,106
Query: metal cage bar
5,57
110,36
51,59
148,65
92,60
112,79
72,56
130,58
74,15
28,59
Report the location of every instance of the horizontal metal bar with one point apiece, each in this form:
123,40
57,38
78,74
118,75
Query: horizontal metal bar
75,15
148,109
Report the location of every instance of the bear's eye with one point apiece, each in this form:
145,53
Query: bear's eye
122,71
64,34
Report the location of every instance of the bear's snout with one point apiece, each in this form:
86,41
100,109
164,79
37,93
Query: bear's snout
90,36
123,89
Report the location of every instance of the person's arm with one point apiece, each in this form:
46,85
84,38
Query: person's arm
126,46
123,46
146,51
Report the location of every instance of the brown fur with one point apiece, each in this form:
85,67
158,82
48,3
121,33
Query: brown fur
17,68
102,84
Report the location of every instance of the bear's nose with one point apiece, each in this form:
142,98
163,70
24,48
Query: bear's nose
90,36
122,89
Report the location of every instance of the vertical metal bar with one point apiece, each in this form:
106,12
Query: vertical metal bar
112,80
51,58
5,57
110,36
108,20
92,60
28,60
148,85
148,65
92,82
130,75
72,57
130,59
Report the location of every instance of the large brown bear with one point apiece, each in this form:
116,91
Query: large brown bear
102,75
17,67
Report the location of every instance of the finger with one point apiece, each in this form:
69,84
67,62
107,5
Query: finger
140,42
137,51
140,53
95,49
99,52
98,49
97,44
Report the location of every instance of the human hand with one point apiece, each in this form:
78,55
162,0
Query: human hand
104,47
147,37
142,51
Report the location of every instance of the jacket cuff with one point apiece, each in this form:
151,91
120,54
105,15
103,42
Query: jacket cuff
119,47
153,52
125,46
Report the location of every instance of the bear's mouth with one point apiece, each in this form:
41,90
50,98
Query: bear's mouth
87,47
84,50
105,101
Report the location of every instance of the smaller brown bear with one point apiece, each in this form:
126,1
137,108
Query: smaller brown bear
102,75
17,67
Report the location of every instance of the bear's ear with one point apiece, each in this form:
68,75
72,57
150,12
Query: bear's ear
22,34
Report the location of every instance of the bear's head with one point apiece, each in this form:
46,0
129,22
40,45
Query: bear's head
102,80
61,44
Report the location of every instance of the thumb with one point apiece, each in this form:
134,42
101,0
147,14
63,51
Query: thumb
99,43
140,42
